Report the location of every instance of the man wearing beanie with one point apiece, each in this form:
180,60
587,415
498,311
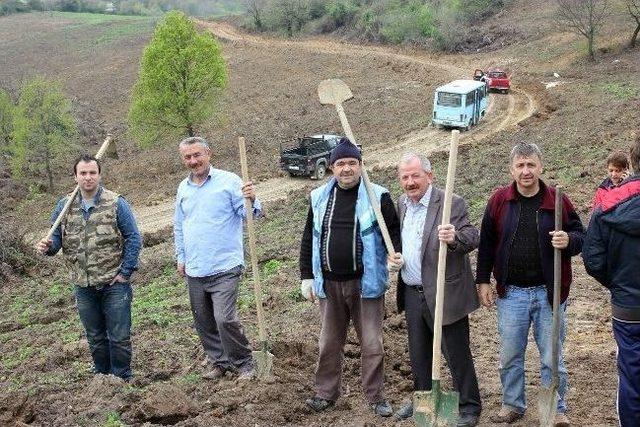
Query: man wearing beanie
343,263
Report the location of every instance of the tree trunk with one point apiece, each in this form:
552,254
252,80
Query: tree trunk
634,37
592,54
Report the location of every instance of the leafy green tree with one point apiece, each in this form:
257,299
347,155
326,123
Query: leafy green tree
43,127
182,73
6,118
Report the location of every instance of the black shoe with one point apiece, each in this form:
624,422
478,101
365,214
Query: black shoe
382,408
468,420
405,412
319,404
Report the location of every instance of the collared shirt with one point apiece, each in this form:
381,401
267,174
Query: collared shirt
208,223
126,223
412,230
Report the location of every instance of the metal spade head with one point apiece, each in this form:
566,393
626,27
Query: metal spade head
263,363
112,151
333,91
108,148
548,404
435,408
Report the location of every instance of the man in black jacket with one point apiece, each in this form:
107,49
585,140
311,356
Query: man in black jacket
611,254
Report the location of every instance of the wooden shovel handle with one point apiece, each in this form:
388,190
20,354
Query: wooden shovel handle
367,184
74,193
557,278
442,257
257,288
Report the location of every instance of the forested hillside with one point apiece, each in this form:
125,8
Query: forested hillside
443,24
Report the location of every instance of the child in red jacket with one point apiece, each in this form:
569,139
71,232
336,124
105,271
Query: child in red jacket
618,170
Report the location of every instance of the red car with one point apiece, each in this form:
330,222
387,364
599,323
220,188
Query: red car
495,78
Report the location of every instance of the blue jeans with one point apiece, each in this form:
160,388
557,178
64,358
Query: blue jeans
106,316
628,340
517,310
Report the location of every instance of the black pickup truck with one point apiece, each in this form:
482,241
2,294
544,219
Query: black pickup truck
309,157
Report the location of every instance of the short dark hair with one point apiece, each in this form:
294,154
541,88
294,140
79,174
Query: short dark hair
618,159
85,158
634,153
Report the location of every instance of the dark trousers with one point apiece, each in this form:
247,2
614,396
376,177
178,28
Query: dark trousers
106,316
627,337
213,304
343,303
455,346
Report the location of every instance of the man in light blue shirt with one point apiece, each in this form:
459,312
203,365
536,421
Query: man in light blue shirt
208,240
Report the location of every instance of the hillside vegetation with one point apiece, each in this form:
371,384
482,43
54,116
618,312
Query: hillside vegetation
442,24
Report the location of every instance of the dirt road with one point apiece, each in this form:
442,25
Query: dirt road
504,111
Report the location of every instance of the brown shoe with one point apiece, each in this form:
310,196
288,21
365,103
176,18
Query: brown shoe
506,416
561,420
215,374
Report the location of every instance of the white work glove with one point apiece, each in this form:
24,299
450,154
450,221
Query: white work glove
395,262
306,289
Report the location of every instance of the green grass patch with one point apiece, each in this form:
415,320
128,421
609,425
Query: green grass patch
113,420
97,18
624,91
90,30
192,378
162,302
11,360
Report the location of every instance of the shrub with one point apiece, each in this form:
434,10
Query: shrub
341,11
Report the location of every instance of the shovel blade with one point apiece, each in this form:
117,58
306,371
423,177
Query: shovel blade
435,408
262,364
333,91
547,405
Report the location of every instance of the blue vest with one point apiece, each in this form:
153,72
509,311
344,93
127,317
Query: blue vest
374,281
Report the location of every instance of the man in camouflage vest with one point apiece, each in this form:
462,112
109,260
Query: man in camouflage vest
100,241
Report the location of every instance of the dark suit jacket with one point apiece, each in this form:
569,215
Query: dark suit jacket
460,297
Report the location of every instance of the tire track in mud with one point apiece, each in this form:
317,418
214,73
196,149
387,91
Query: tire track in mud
503,112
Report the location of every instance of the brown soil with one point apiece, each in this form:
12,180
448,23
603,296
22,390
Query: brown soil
44,378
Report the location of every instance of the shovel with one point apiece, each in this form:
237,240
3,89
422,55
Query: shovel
106,147
263,359
437,407
334,92
548,397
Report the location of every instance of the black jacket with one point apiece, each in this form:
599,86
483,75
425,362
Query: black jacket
611,249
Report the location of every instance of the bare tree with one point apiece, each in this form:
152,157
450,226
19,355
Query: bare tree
585,17
255,8
633,6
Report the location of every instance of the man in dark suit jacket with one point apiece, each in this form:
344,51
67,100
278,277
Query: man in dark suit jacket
420,213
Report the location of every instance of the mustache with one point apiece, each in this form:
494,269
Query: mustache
347,173
412,187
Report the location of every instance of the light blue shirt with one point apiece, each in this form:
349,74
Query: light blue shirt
207,223
412,230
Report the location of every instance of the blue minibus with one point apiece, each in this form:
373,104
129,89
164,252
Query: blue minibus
461,104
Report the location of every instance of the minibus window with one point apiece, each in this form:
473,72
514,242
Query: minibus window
449,99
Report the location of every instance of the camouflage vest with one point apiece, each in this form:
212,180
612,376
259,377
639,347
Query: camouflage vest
93,248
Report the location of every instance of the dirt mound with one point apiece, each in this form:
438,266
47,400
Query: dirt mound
165,404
